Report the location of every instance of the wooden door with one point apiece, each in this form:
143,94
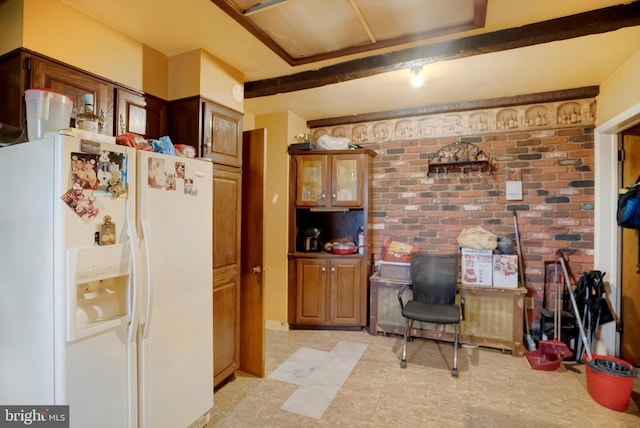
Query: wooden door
254,153
75,84
227,204
630,291
346,293
311,291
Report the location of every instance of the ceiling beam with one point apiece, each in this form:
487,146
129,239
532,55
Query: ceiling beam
582,24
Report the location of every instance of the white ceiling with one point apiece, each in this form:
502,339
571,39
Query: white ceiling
173,27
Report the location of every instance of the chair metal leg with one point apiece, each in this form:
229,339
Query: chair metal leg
403,362
454,370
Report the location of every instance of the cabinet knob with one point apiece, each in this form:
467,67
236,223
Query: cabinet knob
333,269
323,196
324,269
333,196
256,269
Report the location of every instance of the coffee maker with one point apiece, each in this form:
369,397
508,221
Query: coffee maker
309,240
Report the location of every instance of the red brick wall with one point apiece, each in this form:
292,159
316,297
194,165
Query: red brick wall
556,212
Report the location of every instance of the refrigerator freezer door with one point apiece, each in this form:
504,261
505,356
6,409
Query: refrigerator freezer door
48,220
176,349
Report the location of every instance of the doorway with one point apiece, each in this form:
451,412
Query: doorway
607,234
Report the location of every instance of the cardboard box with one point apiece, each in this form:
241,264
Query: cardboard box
477,267
505,271
394,270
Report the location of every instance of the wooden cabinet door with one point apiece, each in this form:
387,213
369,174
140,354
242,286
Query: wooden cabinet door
227,198
13,82
226,349
75,84
347,178
346,291
222,134
185,122
311,180
157,117
131,113
311,291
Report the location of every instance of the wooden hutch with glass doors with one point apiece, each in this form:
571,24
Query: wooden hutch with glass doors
329,202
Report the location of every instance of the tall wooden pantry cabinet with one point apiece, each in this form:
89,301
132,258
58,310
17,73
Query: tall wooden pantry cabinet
216,131
329,202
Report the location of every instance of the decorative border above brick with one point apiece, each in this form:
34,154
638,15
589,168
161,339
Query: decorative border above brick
486,121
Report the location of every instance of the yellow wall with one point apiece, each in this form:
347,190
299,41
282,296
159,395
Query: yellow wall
155,73
112,55
217,79
620,90
184,75
197,72
10,25
248,121
61,32
281,127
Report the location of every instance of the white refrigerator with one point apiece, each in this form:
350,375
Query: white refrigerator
105,283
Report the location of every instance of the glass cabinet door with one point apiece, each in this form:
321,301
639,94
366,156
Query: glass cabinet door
311,181
347,180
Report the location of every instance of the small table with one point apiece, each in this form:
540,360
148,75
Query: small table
493,317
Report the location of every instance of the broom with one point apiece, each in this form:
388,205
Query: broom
531,344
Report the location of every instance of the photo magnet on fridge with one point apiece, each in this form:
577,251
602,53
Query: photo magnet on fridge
170,181
107,232
83,204
84,170
180,170
155,173
111,169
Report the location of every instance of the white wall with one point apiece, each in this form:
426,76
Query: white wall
618,109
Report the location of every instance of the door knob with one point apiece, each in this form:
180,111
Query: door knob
256,269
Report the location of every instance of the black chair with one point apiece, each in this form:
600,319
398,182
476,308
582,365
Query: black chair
434,279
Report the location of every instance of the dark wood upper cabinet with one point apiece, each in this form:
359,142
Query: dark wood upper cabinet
222,133
157,117
124,109
214,130
75,84
13,82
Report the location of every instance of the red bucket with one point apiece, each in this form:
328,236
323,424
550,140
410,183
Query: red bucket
610,381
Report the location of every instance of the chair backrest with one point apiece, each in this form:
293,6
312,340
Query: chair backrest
434,277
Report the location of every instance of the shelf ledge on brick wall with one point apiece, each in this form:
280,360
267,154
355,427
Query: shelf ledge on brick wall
476,122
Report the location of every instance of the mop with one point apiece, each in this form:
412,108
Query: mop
531,344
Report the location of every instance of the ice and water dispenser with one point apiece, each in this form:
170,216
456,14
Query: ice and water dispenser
98,294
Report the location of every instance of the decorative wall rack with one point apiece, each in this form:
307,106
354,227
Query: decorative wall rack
463,158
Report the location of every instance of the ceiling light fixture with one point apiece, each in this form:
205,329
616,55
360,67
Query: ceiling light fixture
417,79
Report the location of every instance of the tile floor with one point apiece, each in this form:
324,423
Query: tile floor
371,390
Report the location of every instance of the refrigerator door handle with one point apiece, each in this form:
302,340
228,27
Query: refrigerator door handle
148,306
135,312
